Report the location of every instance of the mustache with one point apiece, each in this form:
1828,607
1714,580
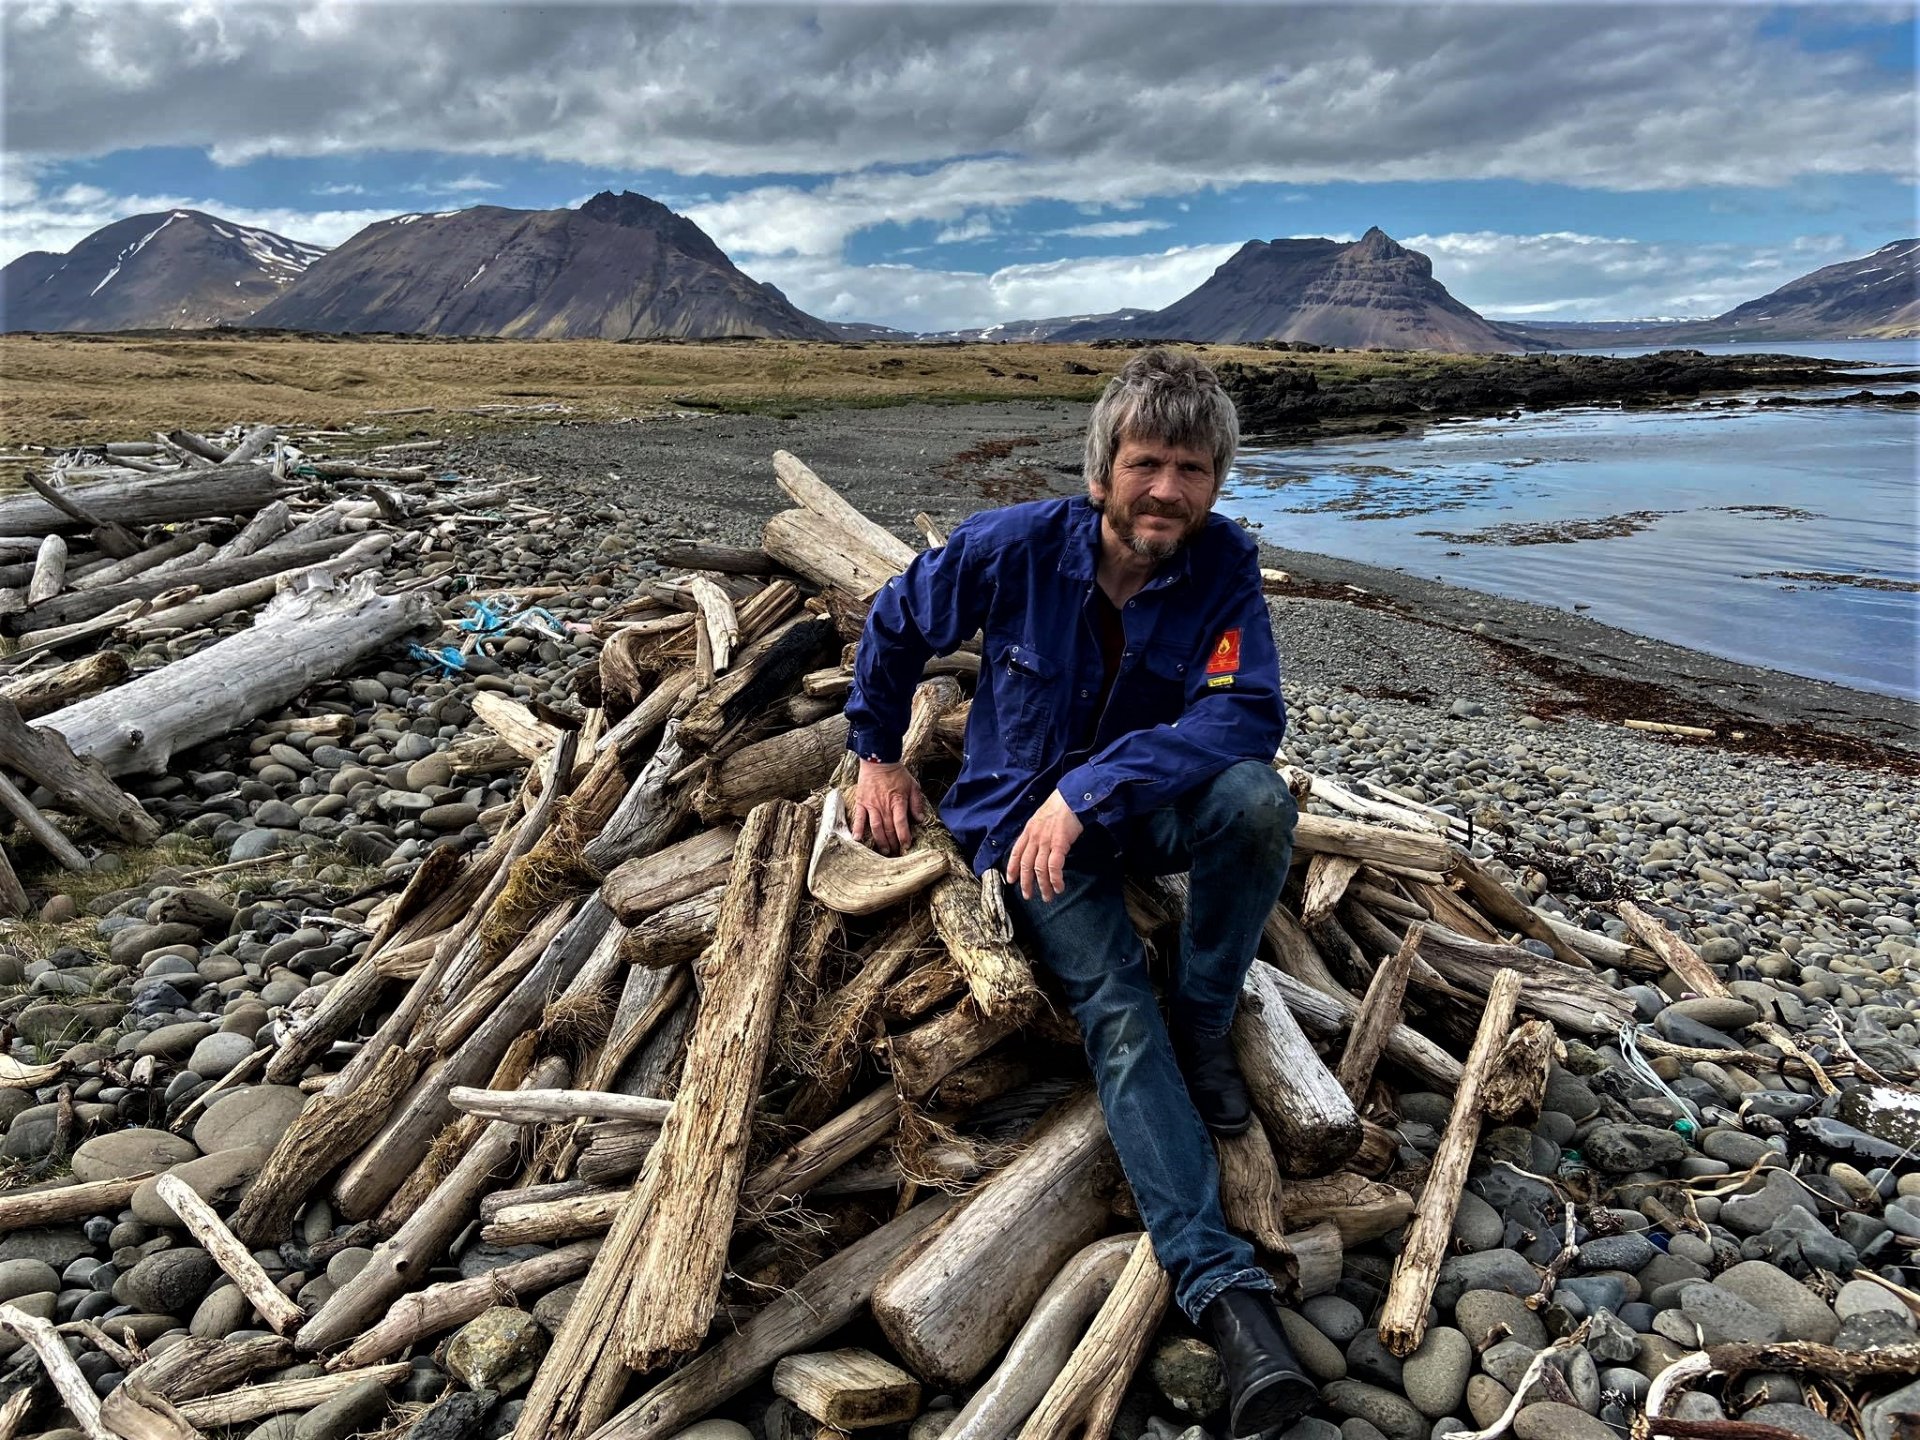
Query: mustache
1171,509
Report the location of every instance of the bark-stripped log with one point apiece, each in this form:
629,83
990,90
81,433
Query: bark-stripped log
1313,1123
297,641
1403,1321
950,1308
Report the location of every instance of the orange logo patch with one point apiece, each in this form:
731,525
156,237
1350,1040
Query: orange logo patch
1225,659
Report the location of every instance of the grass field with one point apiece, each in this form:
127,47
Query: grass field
69,389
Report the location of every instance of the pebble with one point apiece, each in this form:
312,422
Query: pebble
1435,1375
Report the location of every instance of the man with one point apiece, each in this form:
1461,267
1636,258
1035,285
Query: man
1127,713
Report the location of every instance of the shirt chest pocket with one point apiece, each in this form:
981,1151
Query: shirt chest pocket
1026,700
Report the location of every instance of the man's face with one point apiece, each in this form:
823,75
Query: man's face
1158,496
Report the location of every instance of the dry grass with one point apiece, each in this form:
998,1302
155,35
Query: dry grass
69,389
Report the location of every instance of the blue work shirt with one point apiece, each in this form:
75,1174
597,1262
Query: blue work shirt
1197,692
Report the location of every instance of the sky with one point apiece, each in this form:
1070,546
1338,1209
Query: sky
937,166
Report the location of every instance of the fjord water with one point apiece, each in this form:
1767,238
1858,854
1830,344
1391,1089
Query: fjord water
1787,538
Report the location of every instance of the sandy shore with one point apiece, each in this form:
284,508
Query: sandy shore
1374,630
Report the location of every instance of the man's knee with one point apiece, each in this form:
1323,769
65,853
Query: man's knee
1250,804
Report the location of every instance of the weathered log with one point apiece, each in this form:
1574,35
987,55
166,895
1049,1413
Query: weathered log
230,1255
141,561
139,499
669,1241
1378,1015
422,1240
332,1126
108,535
1312,1121
1327,880
76,778
544,1107
679,931
996,970
49,571
256,1402
1403,1320
1373,844
26,1209
1312,1261
790,764
796,1168
297,641
1086,1394
540,1222
49,837
724,559
1360,1208
1573,998
951,1307
421,1313
65,1376
403,1142
922,1057
1516,1086
700,1163
1296,955
841,1019
810,545
651,810
1492,897
808,490
514,723
824,1300
81,605
364,554
636,888
1250,1190
770,667
854,879
848,1389
1045,1343
47,690
718,619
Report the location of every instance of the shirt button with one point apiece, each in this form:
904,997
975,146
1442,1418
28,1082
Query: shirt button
1087,796
1083,694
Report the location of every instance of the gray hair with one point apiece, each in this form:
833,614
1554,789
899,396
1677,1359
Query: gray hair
1167,396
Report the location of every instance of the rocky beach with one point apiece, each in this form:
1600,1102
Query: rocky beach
1753,1195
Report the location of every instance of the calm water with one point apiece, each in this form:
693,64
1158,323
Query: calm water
1785,538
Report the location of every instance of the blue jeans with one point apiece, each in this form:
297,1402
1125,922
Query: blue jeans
1234,835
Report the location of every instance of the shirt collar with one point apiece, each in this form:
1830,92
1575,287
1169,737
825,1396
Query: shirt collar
1080,557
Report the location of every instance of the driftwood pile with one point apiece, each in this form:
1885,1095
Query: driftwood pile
251,566
790,1109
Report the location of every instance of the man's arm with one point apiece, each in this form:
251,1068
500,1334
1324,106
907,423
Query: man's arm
933,607
1232,714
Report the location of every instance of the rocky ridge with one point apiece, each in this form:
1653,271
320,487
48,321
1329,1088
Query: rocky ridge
1372,292
1744,1225
621,267
177,270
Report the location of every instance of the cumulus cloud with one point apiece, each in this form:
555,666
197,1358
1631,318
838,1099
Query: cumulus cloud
1565,275
39,219
1623,97
923,299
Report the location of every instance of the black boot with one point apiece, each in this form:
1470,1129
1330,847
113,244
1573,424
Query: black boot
1266,1388
1213,1080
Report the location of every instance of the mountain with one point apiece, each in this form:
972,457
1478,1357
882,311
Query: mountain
1875,297
621,267
180,269
1371,292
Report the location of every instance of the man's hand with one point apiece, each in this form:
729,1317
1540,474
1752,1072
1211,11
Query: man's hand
1038,862
885,799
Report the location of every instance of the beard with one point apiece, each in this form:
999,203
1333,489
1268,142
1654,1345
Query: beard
1122,518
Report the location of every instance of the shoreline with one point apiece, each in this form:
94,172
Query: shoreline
710,477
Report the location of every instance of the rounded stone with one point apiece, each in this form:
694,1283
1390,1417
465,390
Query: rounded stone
251,1115
1435,1376
1188,1374
1547,1420
129,1152
219,1053
169,1283
218,1178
